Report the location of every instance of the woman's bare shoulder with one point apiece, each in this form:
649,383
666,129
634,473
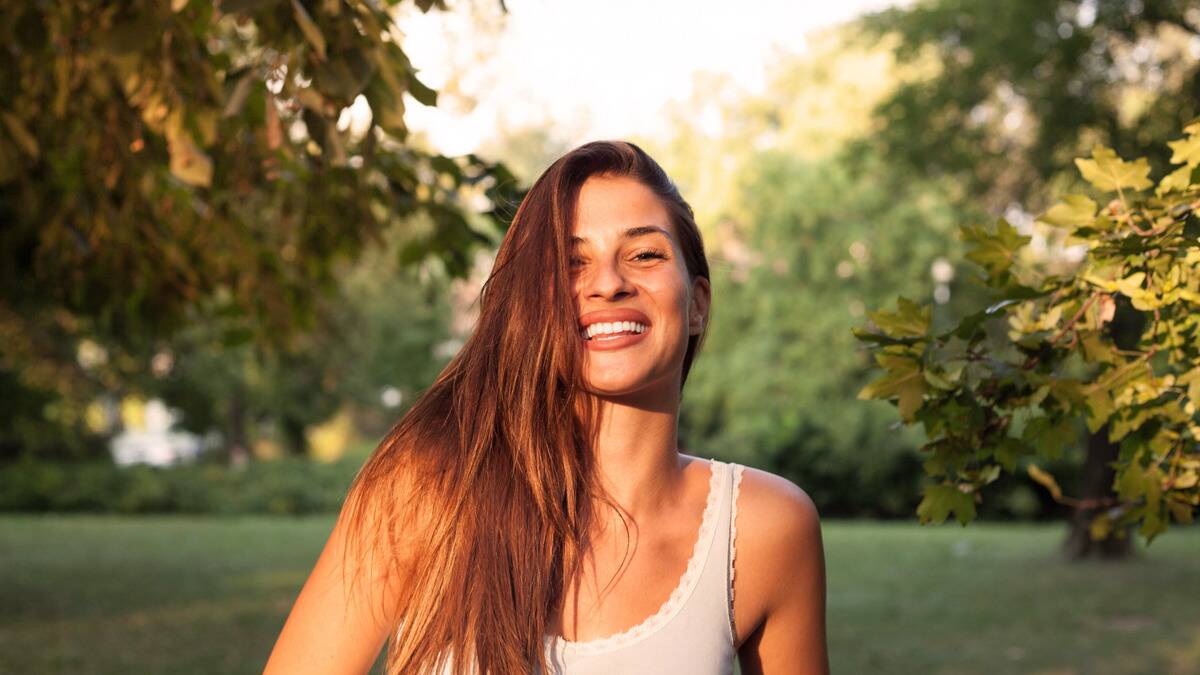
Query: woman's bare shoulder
779,548
774,513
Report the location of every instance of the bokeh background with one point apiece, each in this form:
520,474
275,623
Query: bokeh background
239,238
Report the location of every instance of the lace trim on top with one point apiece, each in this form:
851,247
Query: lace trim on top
679,595
737,481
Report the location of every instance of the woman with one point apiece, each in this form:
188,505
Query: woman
533,510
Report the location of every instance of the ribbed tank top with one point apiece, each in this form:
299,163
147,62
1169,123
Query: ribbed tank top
693,631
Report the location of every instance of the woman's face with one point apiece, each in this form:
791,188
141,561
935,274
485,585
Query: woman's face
631,282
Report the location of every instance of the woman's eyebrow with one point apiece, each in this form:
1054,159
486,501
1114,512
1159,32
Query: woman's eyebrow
639,231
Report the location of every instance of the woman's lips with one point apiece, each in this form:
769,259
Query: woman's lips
601,342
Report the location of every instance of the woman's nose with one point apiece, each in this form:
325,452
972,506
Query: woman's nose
606,280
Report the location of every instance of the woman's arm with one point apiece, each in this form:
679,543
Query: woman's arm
335,628
781,567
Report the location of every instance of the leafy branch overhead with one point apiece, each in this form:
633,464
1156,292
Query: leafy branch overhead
159,158
1008,385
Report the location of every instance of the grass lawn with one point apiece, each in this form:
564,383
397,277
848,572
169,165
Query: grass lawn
104,594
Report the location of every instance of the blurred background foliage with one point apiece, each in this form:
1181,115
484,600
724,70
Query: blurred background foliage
186,189
202,218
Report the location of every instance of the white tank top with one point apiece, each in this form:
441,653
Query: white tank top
693,632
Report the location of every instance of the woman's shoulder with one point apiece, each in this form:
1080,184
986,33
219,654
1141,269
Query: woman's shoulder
775,507
778,544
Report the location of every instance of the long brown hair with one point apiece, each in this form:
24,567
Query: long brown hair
481,497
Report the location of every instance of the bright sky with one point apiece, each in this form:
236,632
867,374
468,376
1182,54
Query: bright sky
595,69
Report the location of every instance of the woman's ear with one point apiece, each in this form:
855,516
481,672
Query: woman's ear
698,310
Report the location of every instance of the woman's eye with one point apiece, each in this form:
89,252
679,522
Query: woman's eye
649,254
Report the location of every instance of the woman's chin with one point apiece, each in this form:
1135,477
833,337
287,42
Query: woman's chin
622,385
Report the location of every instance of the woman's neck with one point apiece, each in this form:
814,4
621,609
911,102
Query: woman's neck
637,453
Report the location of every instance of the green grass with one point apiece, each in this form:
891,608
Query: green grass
171,594
997,598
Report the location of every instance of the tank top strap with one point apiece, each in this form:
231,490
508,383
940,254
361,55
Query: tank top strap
714,595
735,481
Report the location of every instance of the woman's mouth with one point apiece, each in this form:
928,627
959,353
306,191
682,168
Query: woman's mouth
613,328
604,331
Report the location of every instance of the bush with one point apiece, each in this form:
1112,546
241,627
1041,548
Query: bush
284,486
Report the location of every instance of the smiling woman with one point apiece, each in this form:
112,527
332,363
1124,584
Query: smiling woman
533,511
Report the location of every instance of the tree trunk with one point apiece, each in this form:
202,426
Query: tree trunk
1125,329
1096,484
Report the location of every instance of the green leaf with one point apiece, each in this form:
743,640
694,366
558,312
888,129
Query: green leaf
1130,483
1131,285
1177,181
1067,390
903,381
419,91
1111,173
940,500
1019,292
387,108
1186,150
1007,452
1100,527
1048,435
311,32
989,474
946,381
1100,409
1191,380
1096,350
909,319
1153,524
995,252
1180,511
968,328
879,338
1152,487
1072,211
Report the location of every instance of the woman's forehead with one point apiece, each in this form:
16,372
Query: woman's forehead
609,207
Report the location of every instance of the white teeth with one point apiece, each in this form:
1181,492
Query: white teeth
610,328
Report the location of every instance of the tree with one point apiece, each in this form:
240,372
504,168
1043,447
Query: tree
1004,94
381,329
1001,96
165,163
1110,341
